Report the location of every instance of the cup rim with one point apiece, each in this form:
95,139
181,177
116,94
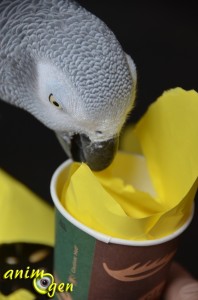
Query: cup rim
98,235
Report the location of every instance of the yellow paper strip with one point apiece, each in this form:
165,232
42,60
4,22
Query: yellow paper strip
24,216
148,197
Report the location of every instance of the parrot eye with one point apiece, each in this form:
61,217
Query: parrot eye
98,132
53,101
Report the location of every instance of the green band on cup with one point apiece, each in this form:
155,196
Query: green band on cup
74,253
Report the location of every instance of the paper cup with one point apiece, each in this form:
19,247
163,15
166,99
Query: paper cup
105,268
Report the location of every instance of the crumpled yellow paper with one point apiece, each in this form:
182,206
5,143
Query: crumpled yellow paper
20,294
144,197
24,216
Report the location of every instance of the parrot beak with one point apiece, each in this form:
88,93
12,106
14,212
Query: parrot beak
97,155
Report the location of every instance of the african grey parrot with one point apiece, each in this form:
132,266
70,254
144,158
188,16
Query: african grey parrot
63,65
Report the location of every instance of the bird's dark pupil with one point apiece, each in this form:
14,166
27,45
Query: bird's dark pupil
44,282
56,103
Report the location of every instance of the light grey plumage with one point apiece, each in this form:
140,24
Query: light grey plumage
57,48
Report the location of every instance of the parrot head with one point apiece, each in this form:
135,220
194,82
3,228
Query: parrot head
87,121
86,113
66,67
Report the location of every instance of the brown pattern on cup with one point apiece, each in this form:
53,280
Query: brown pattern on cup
137,271
130,272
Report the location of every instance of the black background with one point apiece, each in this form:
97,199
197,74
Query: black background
162,38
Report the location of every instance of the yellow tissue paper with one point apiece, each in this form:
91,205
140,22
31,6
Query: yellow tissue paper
149,196
128,140
24,216
21,294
